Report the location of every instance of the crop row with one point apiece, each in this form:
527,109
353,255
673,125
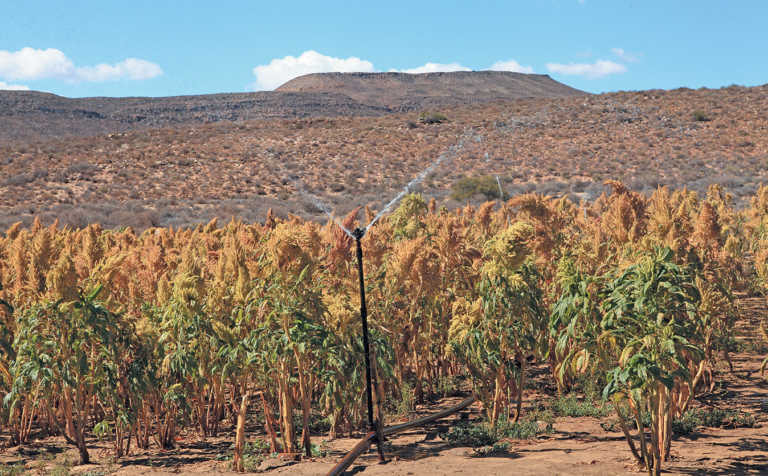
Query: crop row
137,337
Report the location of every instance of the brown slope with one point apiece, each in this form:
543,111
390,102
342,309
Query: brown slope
183,175
402,91
32,115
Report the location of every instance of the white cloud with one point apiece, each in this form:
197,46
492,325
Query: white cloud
131,68
511,65
624,55
12,87
433,68
598,69
279,70
31,64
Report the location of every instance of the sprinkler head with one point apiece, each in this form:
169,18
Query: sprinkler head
358,233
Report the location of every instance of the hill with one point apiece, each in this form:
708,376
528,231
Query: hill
405,92
31,115
569,145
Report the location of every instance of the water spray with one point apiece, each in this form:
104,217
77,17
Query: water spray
374,425
376,431
498,182
320,205
450,153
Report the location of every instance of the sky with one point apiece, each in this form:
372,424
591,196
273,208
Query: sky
80,48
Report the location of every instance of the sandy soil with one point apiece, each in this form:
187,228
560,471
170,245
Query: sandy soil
580,446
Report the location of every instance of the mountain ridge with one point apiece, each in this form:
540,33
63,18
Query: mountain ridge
394,90
35,115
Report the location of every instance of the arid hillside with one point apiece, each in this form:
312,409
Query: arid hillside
405,92
31,115
569,145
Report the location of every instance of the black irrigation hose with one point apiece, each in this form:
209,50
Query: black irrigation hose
429,418
366,442
360,448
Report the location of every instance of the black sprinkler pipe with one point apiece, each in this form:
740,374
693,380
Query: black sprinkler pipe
358,233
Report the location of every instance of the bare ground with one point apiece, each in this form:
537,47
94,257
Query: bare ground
580,446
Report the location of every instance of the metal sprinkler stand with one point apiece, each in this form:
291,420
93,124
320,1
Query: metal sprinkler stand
373,424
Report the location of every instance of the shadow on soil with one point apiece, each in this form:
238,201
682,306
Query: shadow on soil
740,464
431,445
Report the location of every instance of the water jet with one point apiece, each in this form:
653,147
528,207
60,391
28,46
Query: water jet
375,428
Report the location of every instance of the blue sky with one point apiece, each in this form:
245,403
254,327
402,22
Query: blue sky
157,48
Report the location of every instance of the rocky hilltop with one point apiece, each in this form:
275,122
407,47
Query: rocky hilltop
30,115
406,92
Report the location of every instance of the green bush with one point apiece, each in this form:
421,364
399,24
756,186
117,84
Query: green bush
12,470
484,434
468,187
448,386
712,418
407,402
570,406
744,420
700,116
686,424
522,430
254,453
432,118
474,435
492,450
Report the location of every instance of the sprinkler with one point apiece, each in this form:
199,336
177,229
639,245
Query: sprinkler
358,233
373,424
375,430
